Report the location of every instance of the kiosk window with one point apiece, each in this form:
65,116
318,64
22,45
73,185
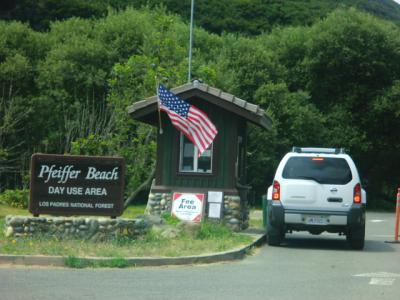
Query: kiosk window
189,160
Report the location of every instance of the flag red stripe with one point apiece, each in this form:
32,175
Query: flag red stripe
187,128
177,120
197,140
202,116
206,140
208,136
203,123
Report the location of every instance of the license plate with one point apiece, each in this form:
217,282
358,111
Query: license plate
316,220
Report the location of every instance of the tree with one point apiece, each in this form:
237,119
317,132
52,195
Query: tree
382,171
296,122
20,50
351,59
39,13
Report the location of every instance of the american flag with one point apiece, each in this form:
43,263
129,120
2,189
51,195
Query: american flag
188,119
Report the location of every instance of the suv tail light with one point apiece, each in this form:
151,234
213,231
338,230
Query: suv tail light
276,191
357,193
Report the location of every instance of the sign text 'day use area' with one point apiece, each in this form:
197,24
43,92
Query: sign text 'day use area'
76,185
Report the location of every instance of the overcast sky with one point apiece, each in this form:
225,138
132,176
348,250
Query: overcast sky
398,1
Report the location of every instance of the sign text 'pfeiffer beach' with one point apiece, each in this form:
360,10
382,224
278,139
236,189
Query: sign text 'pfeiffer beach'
76,185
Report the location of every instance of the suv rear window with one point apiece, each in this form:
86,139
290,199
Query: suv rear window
325,170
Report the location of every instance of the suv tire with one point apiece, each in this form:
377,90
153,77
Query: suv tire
356,237
274,235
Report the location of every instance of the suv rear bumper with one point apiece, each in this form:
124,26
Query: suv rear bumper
294,219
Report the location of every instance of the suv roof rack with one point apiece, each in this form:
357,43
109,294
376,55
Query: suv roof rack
319,150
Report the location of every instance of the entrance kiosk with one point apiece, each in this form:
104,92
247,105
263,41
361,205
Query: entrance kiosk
221,168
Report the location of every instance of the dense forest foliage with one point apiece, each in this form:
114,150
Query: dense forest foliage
335,83
250,17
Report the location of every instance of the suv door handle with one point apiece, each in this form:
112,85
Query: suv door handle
333,189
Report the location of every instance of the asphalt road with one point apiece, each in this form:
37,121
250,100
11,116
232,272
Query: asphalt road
306,267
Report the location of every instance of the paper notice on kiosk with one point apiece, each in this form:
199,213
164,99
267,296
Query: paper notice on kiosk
214,210
215,197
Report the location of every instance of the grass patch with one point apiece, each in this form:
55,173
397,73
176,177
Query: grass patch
133,211
209,239
151,245
256,223
214,231
256,218
79,263
8,210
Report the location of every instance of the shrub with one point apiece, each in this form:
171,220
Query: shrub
170,220
15,198
210,230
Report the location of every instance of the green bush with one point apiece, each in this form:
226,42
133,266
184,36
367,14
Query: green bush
214,231
170,220
15,198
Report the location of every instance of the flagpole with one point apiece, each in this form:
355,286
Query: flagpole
190,42
158,106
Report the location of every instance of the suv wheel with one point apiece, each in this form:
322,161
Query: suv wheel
274,235
356,237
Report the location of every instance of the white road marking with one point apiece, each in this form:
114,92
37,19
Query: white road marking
381,281
377,221
378,275
380,278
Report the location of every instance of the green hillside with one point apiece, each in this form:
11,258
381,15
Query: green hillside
249,17
256,16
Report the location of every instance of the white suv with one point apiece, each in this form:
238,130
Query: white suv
316,190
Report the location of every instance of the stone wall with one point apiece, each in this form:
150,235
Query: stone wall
79,227
159,203
235,212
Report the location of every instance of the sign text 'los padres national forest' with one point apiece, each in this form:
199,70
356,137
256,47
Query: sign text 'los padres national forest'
76,185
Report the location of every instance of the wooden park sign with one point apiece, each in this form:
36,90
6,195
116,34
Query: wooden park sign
76,185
